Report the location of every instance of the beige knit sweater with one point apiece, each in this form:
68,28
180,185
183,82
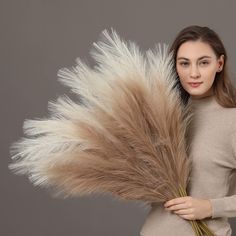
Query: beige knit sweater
212,139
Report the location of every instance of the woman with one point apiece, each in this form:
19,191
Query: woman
201,64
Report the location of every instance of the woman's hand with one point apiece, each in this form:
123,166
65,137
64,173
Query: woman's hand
190,208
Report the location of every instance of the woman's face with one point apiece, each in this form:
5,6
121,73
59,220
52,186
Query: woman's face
197,65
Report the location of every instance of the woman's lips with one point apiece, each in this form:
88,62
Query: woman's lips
195,84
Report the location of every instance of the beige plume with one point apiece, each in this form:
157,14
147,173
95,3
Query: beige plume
125,135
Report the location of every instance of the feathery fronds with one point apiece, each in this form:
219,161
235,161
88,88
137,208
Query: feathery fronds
125,137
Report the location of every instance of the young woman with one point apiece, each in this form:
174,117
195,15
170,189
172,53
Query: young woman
201,65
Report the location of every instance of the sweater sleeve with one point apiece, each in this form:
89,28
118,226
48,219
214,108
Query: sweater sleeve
226,206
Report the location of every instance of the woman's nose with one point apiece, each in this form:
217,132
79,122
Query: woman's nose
194,72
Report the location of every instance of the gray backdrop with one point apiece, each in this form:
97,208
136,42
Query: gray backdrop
39,37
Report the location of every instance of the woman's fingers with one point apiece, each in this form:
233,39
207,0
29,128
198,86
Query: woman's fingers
175,201
184,211
177,207
188,217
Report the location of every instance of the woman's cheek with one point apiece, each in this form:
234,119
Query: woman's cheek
183,81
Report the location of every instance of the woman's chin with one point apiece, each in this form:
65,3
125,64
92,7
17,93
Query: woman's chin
199,94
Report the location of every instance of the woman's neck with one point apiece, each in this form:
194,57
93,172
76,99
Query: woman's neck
202,97
210,93
204,104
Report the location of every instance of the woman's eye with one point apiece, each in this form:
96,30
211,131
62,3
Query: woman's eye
184,63
204,62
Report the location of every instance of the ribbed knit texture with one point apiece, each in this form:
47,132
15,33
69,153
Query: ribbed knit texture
212,138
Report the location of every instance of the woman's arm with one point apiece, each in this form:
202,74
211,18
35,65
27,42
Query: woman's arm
224,207
194,208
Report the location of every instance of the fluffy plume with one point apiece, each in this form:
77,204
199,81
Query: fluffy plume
125,135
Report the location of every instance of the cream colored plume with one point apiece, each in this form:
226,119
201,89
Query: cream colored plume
125,135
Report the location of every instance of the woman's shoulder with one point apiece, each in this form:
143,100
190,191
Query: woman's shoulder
229,115
231,112
223,117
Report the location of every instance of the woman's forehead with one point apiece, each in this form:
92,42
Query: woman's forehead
195,50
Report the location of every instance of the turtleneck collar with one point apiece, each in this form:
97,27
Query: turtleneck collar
203,104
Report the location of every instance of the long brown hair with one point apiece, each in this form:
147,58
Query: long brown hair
223,88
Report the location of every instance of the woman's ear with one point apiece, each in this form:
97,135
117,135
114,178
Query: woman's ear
221,62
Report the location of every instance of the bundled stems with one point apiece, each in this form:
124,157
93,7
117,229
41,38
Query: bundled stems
200,228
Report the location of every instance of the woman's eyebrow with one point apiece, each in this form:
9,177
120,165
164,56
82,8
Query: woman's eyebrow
184,58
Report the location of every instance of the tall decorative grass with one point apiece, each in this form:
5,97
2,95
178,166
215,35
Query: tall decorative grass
125,135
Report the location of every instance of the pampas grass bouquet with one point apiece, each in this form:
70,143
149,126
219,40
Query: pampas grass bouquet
125,136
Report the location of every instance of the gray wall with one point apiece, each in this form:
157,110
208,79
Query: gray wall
38,37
